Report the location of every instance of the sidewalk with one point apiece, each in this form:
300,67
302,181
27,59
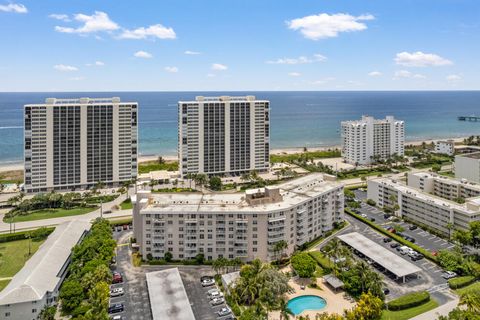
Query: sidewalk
443,310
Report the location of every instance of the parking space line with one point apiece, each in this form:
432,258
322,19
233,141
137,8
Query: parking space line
438,240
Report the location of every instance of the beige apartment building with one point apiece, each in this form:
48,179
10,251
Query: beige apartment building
223,135
419,206
467,166
244,225
368,139
443,187
71,144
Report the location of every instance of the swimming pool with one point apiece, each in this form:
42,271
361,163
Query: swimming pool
299,304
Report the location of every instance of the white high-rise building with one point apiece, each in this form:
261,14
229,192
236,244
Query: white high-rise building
73,144
223,135
369,139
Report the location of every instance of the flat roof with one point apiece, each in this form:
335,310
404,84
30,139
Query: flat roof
168,298
42,273
474,155
387,259
333,281
293,192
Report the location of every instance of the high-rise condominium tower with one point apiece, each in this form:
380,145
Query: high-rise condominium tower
223,135
73,144
367,140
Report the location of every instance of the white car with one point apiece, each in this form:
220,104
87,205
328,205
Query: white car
224,311
117,317
449,275
117,292
216,295
209,292
217,301
208,282
363,215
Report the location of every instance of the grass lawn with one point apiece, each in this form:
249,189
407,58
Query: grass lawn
473,286
50,213
14,255
126,204
275,158
145,167
3,284
409,313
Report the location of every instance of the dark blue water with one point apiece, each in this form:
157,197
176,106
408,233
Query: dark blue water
297,118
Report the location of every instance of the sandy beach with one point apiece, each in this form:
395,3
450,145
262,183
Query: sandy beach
14,166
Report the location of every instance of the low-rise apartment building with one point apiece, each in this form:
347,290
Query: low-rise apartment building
445,147
443,187
467,166
439,214
244,225
366,140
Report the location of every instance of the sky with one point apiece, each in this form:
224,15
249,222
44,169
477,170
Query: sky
227,45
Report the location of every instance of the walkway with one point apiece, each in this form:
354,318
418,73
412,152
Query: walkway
443,310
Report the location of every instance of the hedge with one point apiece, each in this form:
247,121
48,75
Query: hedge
461,282
7,237
119,222
409,300
322,261
427,254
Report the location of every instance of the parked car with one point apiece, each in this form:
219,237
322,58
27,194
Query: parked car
449,275
386,216
404,250
412,227
202,278
224,311
116,292
394,245
434,253
119,229
417,257
125,227
387,239
217,301
107,211
215,295
363,215
116,308
386,291
117,317
211,291
208,282
117,278
372,219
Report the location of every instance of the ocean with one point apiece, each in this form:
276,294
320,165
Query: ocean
298,119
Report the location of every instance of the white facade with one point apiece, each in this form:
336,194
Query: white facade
445,147
423,208
443,187
223,135
240,225
369,139
75,143
37,284
467,166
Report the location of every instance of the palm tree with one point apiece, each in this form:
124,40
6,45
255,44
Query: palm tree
285,312
471,300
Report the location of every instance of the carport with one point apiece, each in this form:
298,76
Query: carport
375,252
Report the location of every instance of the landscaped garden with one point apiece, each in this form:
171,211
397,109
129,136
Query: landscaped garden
156,165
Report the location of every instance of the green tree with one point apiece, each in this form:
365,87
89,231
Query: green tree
72,295
369,307
215,183
303,264
168,256
47,313
450,260
471,300
98,299
278,248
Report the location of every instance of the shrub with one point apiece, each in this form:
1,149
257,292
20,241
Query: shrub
461,282
371,202
303,264
24,234
322,261
409,300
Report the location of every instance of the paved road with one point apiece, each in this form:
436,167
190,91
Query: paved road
5,227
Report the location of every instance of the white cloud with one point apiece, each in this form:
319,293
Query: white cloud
300,60
96,63
97,22
153,31
65,68
294,74
171,69
454,77
77,79
219,67
192,52
143,54
375,74
13,7
324,25
420,59
62,17
407,74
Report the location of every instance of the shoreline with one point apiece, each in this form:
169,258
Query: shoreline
16,166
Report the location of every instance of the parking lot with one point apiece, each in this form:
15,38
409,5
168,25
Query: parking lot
422,238
136,300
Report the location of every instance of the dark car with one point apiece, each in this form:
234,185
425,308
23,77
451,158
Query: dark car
386,216
395,245
412,227
116,308
417,257
387,240
386,291
372,219
117,278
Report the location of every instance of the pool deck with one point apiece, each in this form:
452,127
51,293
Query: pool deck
336,302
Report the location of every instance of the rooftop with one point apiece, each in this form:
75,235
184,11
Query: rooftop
43,271
475,155
223,99
168,298
447,180
78,101
366,119
387,259
293,192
